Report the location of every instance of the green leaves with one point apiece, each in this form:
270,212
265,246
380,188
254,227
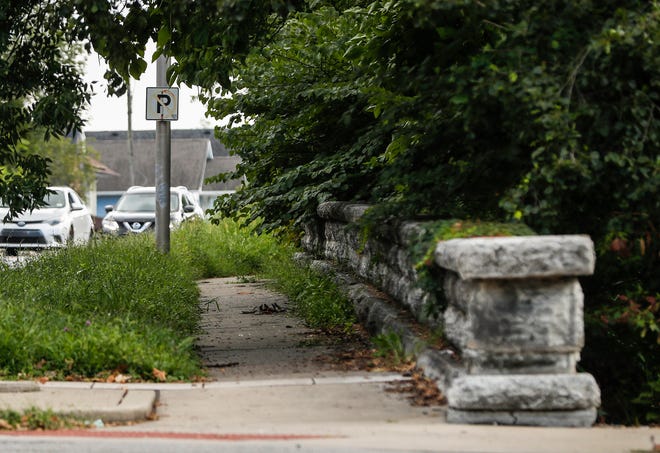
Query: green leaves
40,89
137,68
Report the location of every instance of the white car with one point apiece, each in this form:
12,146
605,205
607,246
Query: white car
63,220
135,212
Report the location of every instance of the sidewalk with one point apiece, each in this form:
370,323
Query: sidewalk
269,390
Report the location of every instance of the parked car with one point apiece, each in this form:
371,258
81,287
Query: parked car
64,219
135,211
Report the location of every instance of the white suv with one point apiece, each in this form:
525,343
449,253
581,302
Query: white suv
135,212
64,219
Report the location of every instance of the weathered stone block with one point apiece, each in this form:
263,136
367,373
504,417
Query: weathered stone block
312,240
507,359
582,418
442,366
514,314
513,361
537,392
517,257
345,212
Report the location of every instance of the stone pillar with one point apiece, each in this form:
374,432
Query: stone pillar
515,312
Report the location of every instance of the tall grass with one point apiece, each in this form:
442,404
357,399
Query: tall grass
225,249
119,304
114,305
315,297
228,249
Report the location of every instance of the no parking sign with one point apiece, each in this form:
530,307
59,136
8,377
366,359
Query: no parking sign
163,103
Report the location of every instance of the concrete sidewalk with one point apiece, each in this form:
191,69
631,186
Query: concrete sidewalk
348,413
269,391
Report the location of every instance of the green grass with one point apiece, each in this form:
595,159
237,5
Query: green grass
119,305
227,249
85,311
37,419
314,297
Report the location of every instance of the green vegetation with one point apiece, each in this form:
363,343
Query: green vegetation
37,419
41,89
314,296
43,41
389,346
74,165
115,306
120,307
226,248
539,112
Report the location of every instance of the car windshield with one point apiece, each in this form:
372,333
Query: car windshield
143,202
55,199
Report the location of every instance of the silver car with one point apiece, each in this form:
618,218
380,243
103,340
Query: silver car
64,219
135,212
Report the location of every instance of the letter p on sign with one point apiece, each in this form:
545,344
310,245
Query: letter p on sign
163,103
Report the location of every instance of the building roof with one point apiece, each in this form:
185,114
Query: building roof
196,154
217,146
221,165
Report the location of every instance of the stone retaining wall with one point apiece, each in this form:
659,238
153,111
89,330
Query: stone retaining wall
514,312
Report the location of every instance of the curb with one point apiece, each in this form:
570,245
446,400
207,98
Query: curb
18,386
107,405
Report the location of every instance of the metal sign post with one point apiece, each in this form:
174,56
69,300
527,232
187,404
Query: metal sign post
163,103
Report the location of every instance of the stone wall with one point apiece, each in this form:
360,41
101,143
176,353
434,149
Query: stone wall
388,263
514,312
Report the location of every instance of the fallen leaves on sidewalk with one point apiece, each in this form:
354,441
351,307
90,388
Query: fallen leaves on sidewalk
358,355
423,391
362,359
159,375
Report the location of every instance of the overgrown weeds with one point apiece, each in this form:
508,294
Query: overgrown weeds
120,307
390,347
226,248
114,305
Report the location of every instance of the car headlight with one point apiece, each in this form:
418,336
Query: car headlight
110,225
55,221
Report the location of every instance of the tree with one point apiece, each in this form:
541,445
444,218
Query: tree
39,90
43,90
73,162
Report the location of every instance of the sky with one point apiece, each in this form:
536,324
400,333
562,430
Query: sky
110,113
